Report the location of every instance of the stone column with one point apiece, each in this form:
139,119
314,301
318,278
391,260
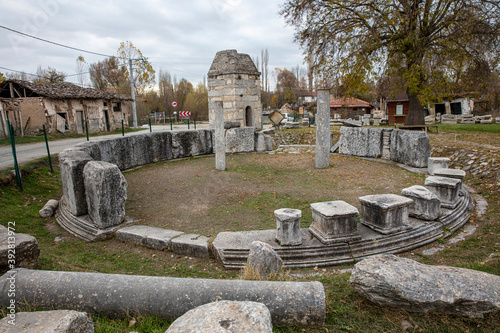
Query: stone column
220,140
323,130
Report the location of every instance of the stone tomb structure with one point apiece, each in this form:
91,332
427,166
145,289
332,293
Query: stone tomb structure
234,80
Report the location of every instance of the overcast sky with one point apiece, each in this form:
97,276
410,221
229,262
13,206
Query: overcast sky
181,37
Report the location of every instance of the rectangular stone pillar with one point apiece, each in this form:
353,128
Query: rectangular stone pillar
445,188
435,163
71,164
323,130
220,140
288,226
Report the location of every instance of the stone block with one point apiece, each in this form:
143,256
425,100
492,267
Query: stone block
57,321
224,316
405,284
435,163
260,142
426,205
26,250
269,142
385,213
106,193
191,245
231,124
71,164
365,142
150,237
264,260
192,143
288,226
240,140
49,208
410,147
450,173
334,221
446,189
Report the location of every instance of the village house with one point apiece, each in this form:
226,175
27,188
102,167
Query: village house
62,107
399,105
349,108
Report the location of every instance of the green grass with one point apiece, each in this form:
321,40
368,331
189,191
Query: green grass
489,128
346,310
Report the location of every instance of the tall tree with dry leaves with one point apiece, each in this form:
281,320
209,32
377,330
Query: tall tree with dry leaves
358,40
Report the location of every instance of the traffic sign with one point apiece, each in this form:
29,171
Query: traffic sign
185,114
174,104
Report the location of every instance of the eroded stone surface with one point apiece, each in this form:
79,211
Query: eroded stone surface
49,208
106,193
288,226
385,213
150,237
71,164
240,140
334,221
57,321
223,317
264,260
426,205
366,142
446,189
191,245
405,284
410,147
26,250
435,163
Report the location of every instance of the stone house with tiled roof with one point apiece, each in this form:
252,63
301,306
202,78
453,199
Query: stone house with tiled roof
62,107
349,107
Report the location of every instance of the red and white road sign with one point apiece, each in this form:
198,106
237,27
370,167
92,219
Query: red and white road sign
174,104
185,114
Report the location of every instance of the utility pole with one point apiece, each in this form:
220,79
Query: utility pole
132,88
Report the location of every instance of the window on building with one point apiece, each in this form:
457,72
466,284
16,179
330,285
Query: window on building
105,104
117,106
399,109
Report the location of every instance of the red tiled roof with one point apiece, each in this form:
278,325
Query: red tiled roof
349,103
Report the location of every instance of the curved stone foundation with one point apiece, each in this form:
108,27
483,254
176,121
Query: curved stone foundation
232,248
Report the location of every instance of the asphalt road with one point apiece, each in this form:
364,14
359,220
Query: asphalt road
28,152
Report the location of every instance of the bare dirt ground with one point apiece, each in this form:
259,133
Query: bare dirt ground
191,196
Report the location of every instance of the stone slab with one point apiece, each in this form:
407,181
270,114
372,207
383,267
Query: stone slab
224,317
240,140
410,147
56,321
450,173
191,245
264,261
150,237
364,142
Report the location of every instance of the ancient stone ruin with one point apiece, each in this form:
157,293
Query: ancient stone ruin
234,80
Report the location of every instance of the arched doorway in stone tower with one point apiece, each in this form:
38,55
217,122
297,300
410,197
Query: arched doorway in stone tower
248,116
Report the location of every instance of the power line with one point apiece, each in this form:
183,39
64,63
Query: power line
50,42
13,70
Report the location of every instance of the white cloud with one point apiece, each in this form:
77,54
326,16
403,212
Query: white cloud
180,36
